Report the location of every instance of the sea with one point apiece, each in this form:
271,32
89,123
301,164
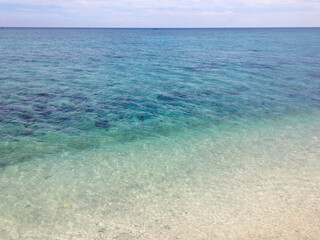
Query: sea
160,133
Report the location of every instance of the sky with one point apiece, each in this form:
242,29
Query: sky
159,13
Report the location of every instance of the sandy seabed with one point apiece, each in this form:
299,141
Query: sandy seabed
261,184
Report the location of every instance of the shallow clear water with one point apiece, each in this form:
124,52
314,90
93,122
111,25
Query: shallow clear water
76,89
130,133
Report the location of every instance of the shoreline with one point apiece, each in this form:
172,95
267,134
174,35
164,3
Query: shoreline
260,185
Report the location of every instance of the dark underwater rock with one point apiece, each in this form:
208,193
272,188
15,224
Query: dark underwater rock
190,69
143,117
63,119
40,107
41,97
26,117
103,124
181,95
164,97
46,95
46,113
89,110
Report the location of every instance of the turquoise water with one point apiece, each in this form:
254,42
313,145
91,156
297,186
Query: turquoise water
77,89
159,134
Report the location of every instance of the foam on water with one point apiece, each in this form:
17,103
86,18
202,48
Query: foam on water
257,184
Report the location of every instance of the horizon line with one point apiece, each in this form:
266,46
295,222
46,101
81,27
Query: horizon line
159,27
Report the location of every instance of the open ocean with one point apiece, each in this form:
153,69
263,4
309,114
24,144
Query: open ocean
160,133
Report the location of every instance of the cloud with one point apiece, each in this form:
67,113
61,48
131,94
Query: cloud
215,13
166,3
142,13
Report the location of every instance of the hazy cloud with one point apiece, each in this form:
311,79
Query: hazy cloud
156,13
